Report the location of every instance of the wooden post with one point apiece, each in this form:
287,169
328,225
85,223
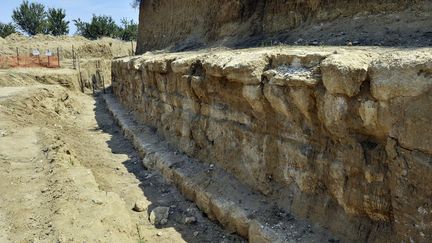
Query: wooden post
133,52
58,56
73,57
17,56
80,76
103,83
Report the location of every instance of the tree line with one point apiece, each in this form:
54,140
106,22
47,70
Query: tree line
34,18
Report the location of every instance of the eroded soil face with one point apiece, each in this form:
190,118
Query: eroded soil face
67,174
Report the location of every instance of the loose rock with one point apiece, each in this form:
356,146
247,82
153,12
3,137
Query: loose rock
189,220
159,215
140,206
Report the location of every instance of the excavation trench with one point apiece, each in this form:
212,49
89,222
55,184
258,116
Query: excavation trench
68,174
266,145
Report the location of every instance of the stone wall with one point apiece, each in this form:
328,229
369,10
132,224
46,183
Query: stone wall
341,138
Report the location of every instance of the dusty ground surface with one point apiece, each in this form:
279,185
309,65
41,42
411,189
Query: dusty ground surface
102,48
68,175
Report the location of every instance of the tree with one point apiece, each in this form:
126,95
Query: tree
6,29
128,30
30,17
99,26
56,23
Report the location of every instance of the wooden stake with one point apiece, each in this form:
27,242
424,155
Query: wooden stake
58,56
73,58
17,56
80,76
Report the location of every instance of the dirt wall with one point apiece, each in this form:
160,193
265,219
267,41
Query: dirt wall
341,138
190,24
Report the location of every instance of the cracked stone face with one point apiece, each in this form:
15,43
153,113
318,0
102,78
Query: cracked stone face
339,136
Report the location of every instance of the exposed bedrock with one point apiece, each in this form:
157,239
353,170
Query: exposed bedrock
340,138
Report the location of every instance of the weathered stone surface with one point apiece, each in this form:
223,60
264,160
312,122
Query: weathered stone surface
238,67
401,74
159,215
345,73
140,206
353,148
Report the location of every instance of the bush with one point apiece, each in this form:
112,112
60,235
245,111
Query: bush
6,29
98,27
128,30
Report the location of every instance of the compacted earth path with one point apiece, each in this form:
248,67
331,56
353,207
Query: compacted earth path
68,174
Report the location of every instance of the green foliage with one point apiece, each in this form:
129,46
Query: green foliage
98,27
6,29
56,23
102,25
129,30
30,18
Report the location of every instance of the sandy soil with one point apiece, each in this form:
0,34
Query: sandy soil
102,48
68,175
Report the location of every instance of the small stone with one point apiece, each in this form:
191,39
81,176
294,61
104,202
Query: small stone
195,234
97,201
189,220
159,215
140,206
159,233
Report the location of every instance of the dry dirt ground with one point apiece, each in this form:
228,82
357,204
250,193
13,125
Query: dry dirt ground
68,175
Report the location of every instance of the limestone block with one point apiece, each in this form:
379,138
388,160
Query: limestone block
198,86
254,96
183,65
401,74
245,68
156,65
335,111
368,111
302,98
414,129
277,99
345,73
184,86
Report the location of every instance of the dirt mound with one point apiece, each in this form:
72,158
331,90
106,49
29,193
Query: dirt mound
86,49
190,24
16,37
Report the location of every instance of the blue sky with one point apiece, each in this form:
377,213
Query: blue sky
83,9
